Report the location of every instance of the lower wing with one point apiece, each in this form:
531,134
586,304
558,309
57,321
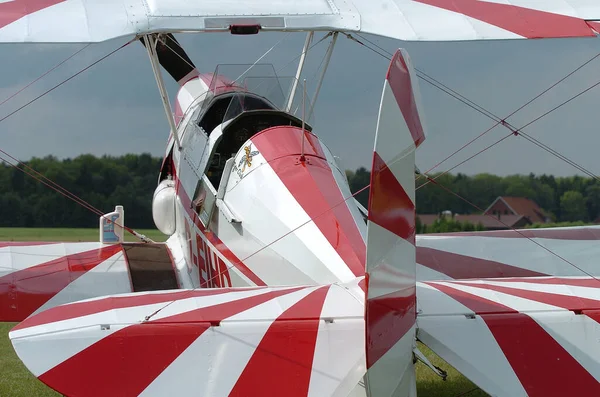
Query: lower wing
38,276
537,336
304,341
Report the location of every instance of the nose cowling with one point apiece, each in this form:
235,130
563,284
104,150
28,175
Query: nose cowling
297,190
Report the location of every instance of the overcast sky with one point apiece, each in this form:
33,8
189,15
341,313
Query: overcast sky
114,107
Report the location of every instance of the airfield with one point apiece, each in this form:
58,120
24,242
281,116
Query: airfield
17,381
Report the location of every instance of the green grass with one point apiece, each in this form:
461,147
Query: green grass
64,234
17,381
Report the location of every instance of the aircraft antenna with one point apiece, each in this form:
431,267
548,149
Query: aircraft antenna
303,118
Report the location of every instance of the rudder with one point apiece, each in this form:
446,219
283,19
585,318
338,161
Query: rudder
390,309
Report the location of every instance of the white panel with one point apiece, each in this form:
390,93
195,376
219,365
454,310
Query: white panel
391,262
233,7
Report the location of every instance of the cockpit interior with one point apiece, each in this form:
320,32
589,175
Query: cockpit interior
248,114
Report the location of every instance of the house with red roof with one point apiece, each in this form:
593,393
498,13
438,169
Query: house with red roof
504,213
517,206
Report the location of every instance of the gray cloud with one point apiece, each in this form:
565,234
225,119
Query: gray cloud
115,108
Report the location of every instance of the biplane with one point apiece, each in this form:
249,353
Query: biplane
274,280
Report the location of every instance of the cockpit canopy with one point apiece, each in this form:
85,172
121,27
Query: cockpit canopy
238,109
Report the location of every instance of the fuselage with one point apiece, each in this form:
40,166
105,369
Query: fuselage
252,203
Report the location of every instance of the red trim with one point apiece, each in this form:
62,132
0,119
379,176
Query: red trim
583,233
16,9
399,79
314,187
286,352
127,361
24,291
389,205
467,267
522,21
539,361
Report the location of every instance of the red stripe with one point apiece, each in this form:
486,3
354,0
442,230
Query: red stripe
24,291
569,302
519,20
467,267
186,202
282,362
399,79
389,205
80,309
388,317
542,365
126,362
17,9
583,233
314,187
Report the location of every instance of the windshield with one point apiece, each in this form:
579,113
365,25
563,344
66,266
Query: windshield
235,89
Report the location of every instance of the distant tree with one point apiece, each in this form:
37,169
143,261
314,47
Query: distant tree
357,181
572,206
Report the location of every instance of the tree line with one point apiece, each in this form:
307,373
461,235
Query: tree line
570,200
103,182
130,181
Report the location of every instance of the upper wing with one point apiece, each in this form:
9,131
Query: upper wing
516,337
292,341
92,21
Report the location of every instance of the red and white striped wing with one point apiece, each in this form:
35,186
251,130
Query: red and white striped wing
88,21
517,336
391,267
37,276
292,341
506,253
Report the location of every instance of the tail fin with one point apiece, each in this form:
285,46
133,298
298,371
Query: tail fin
391,254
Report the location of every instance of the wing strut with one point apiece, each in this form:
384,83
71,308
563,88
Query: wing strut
150,44
325,66
309,38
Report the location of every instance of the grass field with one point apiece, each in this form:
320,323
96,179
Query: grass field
16,381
